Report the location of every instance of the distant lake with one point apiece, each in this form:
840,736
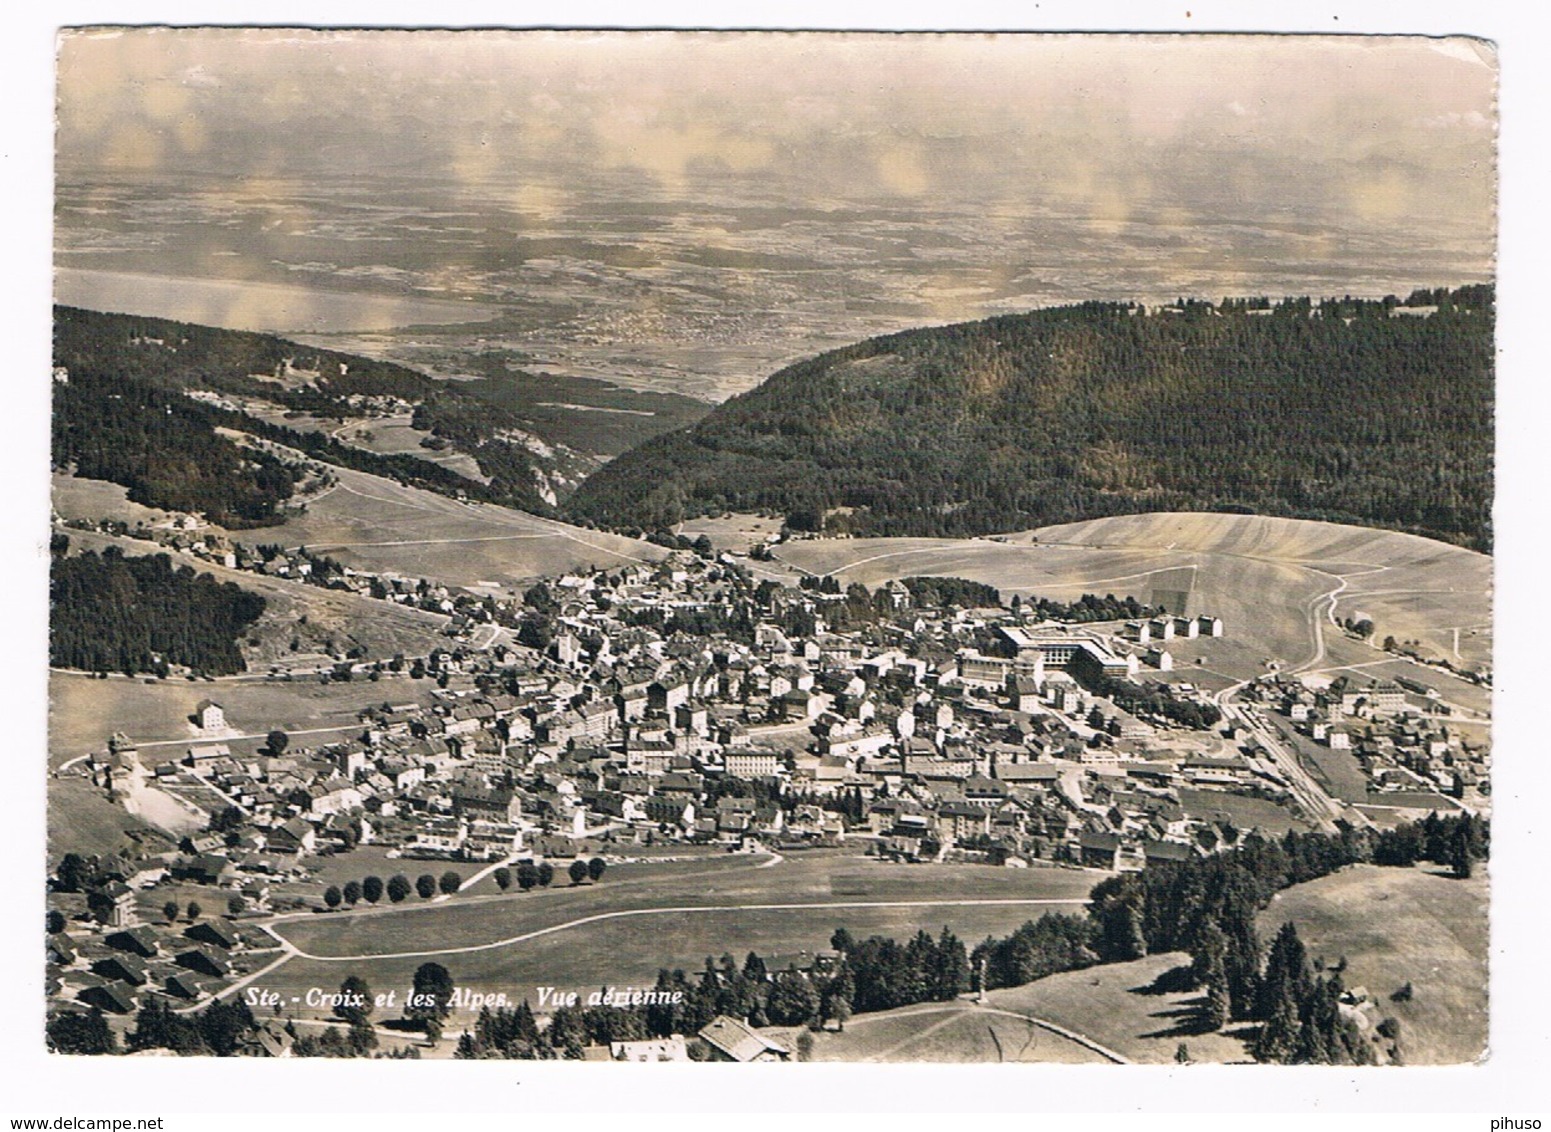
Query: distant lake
268,307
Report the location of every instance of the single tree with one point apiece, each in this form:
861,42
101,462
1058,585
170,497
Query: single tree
578,871
1182,1054
431,995
332,896
546,874
425,885
237,905
451,881
1215,1015
73,873
277,741
503,878
595,868
194,910
55,921
1461,860
170,910
355,1004
527,875
352,891
398,888
362,1038
371,888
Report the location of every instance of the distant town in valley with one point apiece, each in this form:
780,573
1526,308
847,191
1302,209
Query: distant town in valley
1105,680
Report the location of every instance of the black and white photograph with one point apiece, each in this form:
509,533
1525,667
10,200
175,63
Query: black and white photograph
861,547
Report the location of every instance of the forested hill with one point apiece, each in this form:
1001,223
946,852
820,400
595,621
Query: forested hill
122,413
1369,412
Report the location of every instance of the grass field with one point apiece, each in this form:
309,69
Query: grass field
724,880
83,712
1115,1006
377,524
737,532
82,820
712,914
1396,926
386,436
951,1033
76,498
1245,812
1265,577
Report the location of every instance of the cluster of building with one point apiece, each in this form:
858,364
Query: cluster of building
1394,732
930,733
112,957
933,730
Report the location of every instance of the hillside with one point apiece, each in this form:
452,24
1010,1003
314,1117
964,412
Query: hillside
1272,580
1377,413
1399,926
141,402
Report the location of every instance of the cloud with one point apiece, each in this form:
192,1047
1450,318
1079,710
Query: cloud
1470,119
198,76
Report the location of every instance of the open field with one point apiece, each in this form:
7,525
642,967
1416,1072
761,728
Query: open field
322,622
82,820
1412,588
75,498
1115,1006
642,918
953,1032
1396,926
386,436
1245,812
737,532
376,524
630,951
83,712
714,881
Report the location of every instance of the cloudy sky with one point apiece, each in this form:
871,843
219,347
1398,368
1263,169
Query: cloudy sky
1379,132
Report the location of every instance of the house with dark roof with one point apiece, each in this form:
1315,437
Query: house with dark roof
138,941
181,984
111,998
213,932
205,961
125,967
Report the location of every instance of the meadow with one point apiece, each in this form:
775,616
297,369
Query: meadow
1399,926
371,523
1270,580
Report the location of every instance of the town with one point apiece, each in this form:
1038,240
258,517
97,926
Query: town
631,713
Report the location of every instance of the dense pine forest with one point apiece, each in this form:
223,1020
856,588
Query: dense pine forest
164,448
112,613
1371,412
